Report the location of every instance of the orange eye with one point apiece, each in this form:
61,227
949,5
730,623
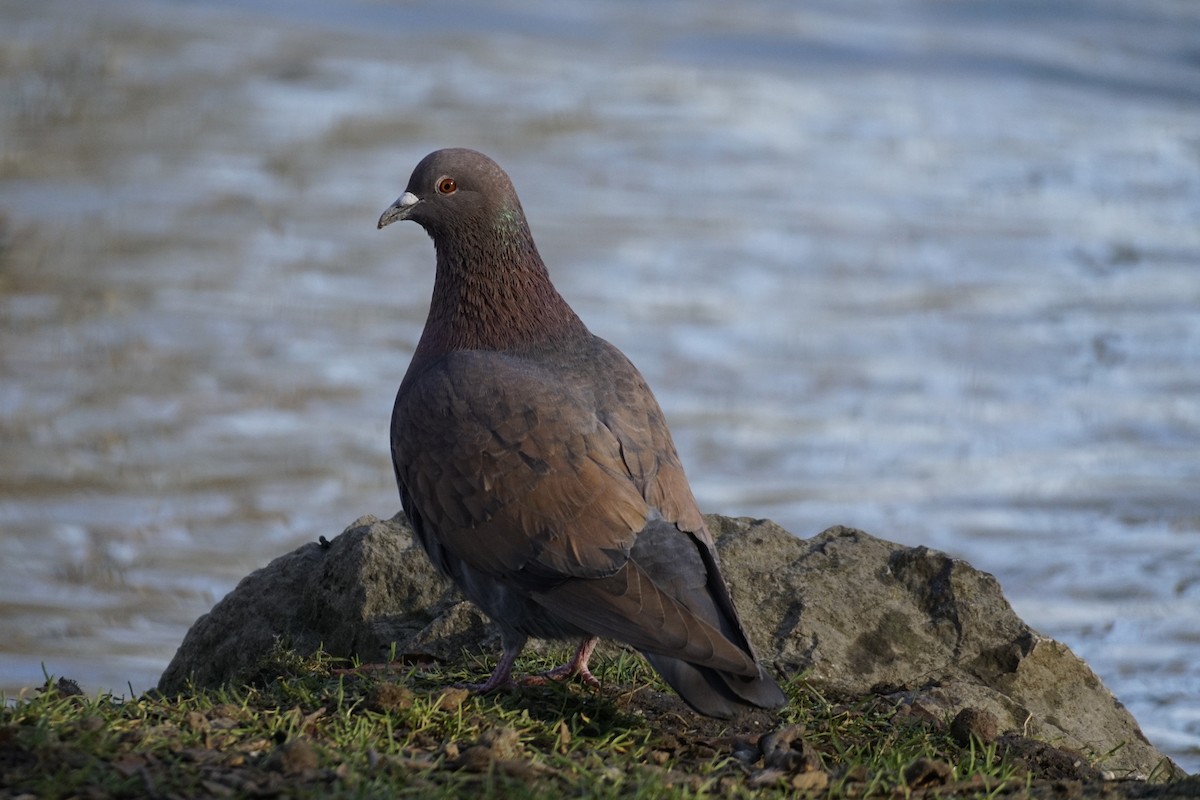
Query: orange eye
447,186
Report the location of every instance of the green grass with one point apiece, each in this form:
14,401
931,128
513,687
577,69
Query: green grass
299,729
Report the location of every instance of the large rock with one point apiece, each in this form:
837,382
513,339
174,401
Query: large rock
863,615
356,596
857,614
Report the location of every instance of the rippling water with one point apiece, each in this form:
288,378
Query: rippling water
927,268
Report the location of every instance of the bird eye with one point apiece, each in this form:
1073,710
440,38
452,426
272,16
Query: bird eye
447,186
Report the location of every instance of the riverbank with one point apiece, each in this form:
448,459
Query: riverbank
301,728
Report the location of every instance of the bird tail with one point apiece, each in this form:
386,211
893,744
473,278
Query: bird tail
716,693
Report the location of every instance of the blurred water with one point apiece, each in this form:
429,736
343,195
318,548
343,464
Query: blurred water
927,268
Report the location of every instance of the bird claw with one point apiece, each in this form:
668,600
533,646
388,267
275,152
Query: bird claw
562,673
501,677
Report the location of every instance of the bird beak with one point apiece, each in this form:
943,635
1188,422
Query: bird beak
399,209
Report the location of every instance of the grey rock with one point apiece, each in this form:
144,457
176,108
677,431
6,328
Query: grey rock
859,615
371,587
856,614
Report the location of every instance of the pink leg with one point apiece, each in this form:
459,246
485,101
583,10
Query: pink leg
501,677
577,666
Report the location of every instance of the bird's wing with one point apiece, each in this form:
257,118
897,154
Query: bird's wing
636,608
510,469
518,471
628,409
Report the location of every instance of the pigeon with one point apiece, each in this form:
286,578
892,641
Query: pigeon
536,467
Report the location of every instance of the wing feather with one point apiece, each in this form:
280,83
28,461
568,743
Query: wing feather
520,473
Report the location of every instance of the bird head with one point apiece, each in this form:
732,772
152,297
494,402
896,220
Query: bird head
453,189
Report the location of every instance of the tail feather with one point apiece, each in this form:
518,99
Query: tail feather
669,601
715,693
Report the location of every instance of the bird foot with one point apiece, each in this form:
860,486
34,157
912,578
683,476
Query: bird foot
563,673
576,667
501,677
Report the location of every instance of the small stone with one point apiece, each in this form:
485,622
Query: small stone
814,781
765,777
293,757
492,747
452,699
745,749
925,773
521,768
858,774
785,749
1047,760
976,723
388,697
476,758
195,721
727,786
504,743
659,757
228,710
